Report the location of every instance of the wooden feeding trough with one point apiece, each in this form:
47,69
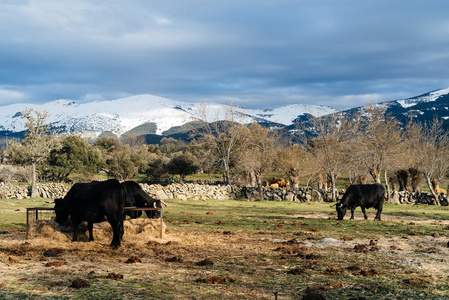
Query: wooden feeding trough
37,213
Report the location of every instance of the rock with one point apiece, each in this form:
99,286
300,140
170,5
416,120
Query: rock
328,242
160,194
290,196
316,196
182,197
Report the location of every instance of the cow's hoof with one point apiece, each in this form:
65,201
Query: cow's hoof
114,246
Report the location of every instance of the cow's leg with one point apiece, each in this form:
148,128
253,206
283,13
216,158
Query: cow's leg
75,223
379,211
352,213
115,224
75,232
122,231
364,212
90,227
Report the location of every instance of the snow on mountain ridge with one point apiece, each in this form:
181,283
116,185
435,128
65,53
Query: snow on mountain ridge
121,115
429,97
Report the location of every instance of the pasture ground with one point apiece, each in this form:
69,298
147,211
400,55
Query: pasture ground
235,249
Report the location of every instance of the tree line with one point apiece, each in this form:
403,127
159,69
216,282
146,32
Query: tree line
367,147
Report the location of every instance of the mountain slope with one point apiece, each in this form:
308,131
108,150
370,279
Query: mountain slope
422,108
156,116
122,115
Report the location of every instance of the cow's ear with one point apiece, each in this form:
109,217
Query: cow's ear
339,205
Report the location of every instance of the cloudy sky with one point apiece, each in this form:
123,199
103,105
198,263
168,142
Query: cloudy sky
258,54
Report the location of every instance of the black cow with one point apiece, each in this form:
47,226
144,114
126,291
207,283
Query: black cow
363,195
136,196
92,202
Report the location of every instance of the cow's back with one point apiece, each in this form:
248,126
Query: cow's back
372,195
95,198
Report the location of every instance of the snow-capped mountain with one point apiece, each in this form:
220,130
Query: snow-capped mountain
423,108
121,115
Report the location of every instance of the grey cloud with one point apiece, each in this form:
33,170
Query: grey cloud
261,53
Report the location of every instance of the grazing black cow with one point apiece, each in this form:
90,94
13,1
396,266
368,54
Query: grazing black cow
363,195
92,202
136,196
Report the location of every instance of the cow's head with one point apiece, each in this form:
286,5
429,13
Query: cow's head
61,215
154,214
341,210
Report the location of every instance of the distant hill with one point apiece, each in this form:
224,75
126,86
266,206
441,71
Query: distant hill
146,128
141,115
153,118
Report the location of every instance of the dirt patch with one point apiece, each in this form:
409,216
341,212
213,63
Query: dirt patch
133,260
175,259
205,262
13,260
313,294
53,252
296,271
415,281
370,272
334,271
216,280
114,276
79,283
55,264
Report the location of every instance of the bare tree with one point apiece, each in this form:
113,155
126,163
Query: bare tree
377,147
330,146
36,145
258,155
430,150
295,161
224,135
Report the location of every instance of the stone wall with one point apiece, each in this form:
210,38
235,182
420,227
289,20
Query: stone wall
190,191
405,197
301,194
193,191
47,190
173,191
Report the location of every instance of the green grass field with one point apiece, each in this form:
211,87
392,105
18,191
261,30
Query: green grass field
263,246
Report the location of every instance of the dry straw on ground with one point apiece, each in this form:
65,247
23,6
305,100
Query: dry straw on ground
139,230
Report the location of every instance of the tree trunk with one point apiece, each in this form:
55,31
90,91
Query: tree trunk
308,181
320,183
387,184
227,175
376,175
253,178
430,185
259,184
33,180
334,190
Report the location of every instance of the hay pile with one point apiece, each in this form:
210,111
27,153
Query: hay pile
49,229
139,230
